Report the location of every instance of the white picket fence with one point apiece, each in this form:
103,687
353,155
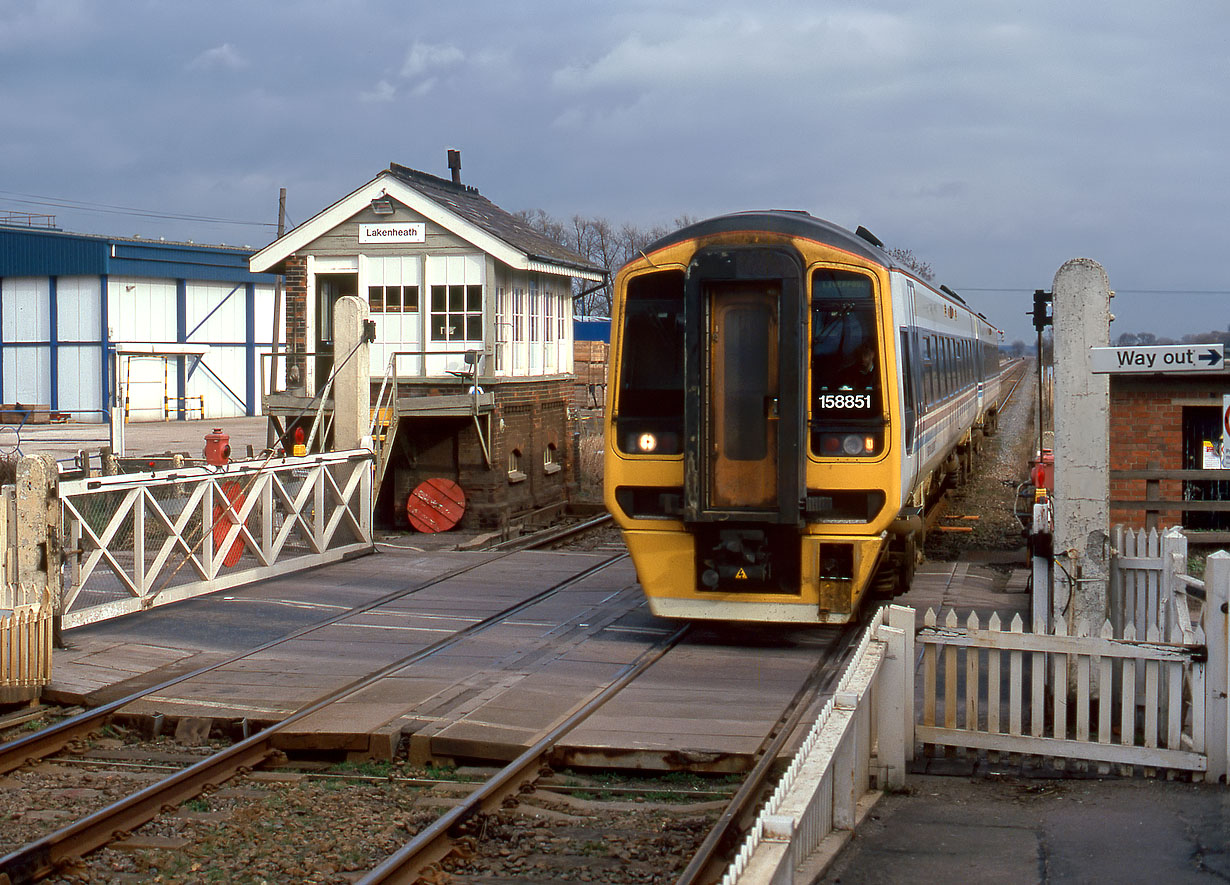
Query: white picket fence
1154,699
25,641
861,740
1149,583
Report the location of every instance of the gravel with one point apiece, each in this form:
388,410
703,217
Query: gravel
990,496
323,824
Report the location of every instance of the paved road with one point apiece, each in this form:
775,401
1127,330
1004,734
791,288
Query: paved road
1019,830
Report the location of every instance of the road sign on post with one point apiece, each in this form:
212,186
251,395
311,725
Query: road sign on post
1163,358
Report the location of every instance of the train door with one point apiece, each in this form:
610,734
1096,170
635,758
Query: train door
744,399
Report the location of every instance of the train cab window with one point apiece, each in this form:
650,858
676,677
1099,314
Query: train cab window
846,377
649,399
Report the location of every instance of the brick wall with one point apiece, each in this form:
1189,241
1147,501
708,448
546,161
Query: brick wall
530,417
295,287
1146,428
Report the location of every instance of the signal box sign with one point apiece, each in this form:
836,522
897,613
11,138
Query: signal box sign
1163,358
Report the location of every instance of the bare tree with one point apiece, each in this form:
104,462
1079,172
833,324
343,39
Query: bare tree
910,261
599,243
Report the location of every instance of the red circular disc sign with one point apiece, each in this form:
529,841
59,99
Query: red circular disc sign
436,505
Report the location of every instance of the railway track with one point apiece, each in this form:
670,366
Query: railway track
475,835
64,847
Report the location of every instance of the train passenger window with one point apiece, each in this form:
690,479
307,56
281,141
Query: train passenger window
949,386
649,399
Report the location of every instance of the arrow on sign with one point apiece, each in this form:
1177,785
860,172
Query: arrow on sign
1212,357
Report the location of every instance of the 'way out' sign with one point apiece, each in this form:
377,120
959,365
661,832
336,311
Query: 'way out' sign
1163,358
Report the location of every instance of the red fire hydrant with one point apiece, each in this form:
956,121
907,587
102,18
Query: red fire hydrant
217,448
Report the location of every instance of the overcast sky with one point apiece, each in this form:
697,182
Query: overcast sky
994,139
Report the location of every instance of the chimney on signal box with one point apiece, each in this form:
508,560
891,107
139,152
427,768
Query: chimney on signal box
454,164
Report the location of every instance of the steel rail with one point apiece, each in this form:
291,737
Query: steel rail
552,535
728,830
65,846
54,738
434,843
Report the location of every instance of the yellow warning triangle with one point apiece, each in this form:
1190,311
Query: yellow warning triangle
740,575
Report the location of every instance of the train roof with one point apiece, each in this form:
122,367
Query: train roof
782,221
799,223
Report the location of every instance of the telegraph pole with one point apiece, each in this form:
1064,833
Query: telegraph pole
277,309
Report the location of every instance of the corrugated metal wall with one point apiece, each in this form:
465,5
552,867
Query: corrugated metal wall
56,326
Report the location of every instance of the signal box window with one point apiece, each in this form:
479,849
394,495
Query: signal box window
650,397
847,416
393,299
456,313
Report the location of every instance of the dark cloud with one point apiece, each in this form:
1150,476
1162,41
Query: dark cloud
995,140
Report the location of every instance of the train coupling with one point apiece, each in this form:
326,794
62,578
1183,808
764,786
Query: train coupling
739,555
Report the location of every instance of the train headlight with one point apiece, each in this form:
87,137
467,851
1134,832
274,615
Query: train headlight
642,441
851,445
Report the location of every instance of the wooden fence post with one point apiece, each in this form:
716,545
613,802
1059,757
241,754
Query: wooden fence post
1217,670
902,618
893,730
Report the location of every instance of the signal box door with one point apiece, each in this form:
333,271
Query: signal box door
744,400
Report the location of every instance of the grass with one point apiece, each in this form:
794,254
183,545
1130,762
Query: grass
363,769
674,786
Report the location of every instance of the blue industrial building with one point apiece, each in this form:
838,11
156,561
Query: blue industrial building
175,329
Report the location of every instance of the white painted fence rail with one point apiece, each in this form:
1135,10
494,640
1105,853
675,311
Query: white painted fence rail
861,740
140,540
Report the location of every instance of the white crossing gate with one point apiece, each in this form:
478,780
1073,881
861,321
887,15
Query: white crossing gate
1154,698
140,540
990,688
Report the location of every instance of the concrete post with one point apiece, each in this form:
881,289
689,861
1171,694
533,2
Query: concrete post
1082,444
39,548
352,389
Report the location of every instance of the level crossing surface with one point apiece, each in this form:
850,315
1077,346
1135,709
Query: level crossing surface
707,704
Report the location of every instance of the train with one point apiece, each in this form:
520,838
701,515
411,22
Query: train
784,400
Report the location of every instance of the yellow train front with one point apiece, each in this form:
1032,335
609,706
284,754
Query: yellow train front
756,457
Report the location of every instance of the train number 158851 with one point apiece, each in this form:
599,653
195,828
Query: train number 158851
845,401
